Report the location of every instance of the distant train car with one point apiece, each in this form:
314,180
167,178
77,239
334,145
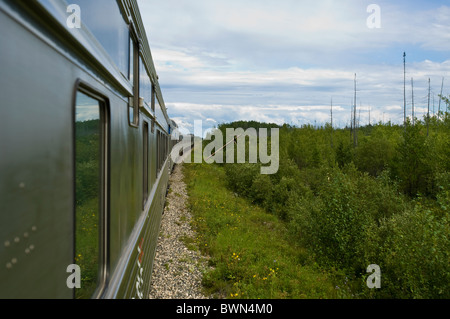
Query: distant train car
84,150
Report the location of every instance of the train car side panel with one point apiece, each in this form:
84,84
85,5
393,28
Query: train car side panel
36,193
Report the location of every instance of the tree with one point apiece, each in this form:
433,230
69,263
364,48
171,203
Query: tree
411,165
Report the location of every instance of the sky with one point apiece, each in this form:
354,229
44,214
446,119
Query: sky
288,61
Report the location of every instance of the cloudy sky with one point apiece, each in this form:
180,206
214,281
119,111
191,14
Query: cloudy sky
283,61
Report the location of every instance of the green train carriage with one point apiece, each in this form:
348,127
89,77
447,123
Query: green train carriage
84,150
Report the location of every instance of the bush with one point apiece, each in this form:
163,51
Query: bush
334,221
262,190
412,250
333,224
240,177
343,154
373,154
385,202
410,165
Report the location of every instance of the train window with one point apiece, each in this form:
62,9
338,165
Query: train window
131,57
134,78
160,150
157,105
145,159
153,97
163,150
157,151
105,21
90,181
165,147
145,84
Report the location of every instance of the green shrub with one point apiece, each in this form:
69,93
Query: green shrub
333,221
410,165
373,154
240,177
343,154
262,190
333,224
385,202
412,250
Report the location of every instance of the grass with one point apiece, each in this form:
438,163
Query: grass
87,246
250,250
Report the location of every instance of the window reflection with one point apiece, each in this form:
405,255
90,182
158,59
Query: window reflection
105,21
131,112
145,160
134,78
88,134
131,68
145,84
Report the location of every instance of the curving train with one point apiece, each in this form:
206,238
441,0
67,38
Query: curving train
85,140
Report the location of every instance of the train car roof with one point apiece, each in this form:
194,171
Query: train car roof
57,9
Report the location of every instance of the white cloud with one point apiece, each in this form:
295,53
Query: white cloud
283,61
270,97
243,29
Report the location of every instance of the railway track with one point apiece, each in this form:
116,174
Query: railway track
177,271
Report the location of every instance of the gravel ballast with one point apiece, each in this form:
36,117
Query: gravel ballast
177,271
